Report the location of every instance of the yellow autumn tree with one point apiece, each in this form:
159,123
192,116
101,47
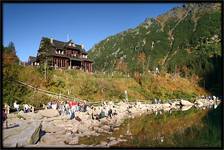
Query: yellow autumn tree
142,60
121,65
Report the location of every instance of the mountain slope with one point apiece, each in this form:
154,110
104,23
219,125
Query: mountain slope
185,40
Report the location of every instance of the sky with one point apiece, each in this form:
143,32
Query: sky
25,24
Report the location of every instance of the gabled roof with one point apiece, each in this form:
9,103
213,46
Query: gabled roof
61,45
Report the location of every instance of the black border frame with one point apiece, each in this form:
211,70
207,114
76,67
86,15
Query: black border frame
115,1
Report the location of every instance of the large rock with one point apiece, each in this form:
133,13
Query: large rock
53,129
185,108
72,141
27,133
49,113
53,139
185,103
166,106
113,142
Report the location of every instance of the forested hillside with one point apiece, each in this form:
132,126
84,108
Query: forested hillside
186,41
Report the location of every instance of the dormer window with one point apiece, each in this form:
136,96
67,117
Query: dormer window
84,56
59,51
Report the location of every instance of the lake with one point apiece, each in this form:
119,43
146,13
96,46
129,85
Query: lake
190,128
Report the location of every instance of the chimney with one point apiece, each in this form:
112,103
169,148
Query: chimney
51,40
82,46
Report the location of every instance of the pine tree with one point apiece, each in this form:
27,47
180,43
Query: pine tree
11,47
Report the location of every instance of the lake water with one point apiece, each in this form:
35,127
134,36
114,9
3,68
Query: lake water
191,128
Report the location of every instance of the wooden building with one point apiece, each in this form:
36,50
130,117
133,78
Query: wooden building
32,61
67,55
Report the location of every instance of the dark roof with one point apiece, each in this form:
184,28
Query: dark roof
62,45
32,59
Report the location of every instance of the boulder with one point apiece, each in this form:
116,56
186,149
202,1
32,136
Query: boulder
27,133
103,143
52,139
186,103
185,108
121,140
49,113
199,103
112,138
72,141
166,107
36,116
106,127
114,142
53,129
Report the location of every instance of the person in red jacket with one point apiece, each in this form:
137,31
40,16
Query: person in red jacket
70,104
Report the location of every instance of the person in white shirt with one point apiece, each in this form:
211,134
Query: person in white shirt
16,106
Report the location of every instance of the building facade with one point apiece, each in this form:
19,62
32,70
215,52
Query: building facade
65,55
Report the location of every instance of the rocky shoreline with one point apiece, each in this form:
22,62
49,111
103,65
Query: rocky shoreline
47,128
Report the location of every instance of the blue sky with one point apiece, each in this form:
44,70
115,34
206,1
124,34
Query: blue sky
25,24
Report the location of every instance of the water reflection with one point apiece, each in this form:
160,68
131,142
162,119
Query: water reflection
181,127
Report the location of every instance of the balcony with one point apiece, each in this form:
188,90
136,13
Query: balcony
74,55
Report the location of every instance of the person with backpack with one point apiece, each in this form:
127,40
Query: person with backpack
110,113
71,114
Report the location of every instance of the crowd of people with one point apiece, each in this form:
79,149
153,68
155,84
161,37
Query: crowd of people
210,97
70,108
105,110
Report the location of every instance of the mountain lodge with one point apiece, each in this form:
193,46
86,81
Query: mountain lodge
58,54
